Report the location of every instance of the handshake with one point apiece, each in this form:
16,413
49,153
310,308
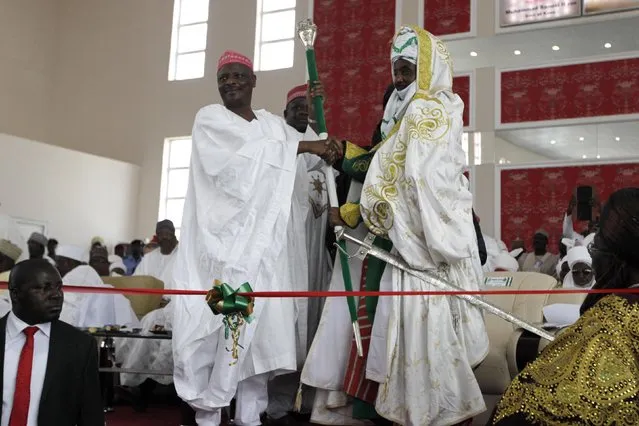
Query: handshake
330,149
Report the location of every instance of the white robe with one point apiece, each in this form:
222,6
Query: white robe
319,259
416,194
327,358
94,309
151,354
243,221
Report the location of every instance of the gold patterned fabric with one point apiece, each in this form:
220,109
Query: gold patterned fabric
588,376
350,214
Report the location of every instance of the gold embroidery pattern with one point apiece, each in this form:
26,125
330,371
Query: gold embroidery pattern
588,375
361,165
379,218
353,151
431,124
443,52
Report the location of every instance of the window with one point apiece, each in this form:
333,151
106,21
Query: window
274,34
175,180
188,39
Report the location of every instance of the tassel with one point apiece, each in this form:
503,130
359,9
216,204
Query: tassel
298,400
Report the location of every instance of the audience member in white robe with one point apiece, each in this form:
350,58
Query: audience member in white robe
415,193
493,249
9,255
153,354
90,309
506,262
581,274
117,268
244,221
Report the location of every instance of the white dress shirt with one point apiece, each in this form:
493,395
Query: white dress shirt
14,341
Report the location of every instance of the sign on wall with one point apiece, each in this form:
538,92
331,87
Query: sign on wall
518,12
592,7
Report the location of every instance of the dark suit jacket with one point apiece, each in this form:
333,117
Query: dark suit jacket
71,392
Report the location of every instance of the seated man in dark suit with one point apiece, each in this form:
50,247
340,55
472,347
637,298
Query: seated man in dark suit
49,368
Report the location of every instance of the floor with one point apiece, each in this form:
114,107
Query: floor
156,415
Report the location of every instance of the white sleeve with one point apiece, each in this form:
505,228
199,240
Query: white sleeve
568,231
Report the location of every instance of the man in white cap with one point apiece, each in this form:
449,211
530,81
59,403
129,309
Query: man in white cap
89,309
540,259
153,354
244,221
9,255
581,274
37,244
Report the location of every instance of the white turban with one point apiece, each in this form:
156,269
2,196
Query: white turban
117,265
405,46
559,265
506,262
114,258
10,250
578,254
72,252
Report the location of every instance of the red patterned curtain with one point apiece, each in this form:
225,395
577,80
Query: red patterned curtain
461,86
353,57
446,17
570,91
538,198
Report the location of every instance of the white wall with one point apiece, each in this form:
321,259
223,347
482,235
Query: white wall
28,40
77,195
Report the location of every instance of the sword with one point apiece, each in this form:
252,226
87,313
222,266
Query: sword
367,248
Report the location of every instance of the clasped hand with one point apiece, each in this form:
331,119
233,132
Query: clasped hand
330,150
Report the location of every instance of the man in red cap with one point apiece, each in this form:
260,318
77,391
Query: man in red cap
296,112
243,222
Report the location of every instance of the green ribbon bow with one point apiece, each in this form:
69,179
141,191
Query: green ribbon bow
222,299
237,310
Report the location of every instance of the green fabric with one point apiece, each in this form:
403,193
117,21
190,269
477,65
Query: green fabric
374,275
357,167
364,410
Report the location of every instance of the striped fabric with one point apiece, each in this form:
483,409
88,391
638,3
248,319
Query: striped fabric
355,382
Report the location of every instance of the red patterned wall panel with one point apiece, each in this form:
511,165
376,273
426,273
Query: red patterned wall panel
571,91
445,17
461,86
538,198
353,58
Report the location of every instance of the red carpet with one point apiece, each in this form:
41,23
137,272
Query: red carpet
124,415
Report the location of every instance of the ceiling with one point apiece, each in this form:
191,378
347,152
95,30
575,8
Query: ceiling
581,40
598,139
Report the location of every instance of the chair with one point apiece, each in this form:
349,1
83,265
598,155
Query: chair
141,304
510,347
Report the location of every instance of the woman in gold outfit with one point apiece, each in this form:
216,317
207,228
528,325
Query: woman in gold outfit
590,374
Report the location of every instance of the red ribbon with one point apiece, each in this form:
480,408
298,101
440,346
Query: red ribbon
309,294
